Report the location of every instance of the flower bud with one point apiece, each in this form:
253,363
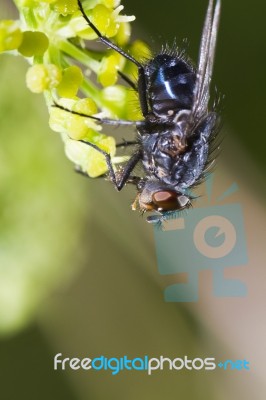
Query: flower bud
33,44
41,77
71,81
10,35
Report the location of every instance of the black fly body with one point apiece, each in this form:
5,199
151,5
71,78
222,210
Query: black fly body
175,136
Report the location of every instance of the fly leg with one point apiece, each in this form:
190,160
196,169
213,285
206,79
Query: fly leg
120,179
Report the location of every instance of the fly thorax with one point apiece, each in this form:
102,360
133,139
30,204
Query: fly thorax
170,84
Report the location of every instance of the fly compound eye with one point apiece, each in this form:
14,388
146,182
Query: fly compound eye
168,200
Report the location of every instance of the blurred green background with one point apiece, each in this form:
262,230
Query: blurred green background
78,271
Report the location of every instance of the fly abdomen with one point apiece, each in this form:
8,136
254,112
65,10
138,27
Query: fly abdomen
171,83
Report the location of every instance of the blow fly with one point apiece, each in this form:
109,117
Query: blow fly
174,141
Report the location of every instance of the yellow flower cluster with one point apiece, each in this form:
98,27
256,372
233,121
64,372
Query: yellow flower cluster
55,38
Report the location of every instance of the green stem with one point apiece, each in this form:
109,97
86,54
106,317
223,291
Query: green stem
29,17
78,55
92,91
54,56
